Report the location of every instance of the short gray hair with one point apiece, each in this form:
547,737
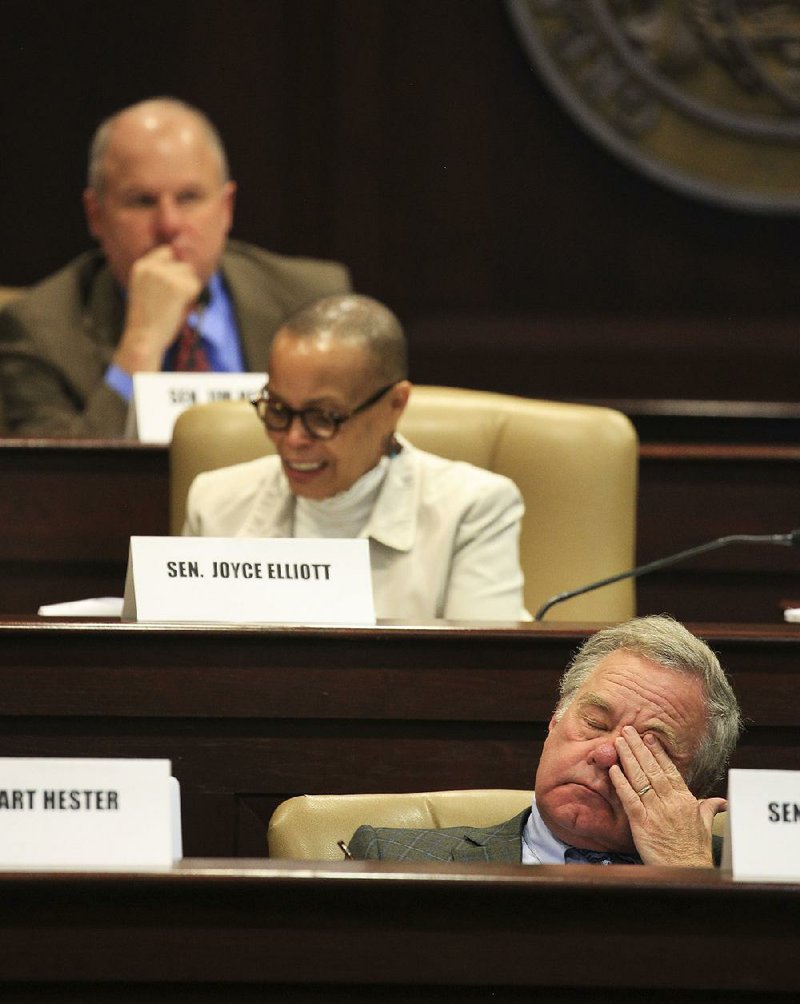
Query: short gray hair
664,641
353,317
95,178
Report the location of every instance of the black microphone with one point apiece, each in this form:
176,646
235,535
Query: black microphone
791,539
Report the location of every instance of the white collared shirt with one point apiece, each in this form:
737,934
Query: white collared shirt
539,846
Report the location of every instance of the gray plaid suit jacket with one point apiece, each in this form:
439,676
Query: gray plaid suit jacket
502,842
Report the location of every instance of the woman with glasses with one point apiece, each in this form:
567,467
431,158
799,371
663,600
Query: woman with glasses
443,535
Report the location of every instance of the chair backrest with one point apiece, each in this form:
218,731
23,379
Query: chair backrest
9,293
575,465
308,827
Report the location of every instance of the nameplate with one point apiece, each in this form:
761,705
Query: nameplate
249,580
762,839
158,399
61,813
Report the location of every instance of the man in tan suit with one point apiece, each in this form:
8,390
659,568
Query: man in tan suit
160,203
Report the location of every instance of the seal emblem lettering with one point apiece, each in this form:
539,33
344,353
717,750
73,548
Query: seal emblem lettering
700,95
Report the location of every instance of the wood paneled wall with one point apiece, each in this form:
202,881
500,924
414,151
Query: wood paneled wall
409,138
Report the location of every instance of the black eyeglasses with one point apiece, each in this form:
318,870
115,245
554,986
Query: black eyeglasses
317,422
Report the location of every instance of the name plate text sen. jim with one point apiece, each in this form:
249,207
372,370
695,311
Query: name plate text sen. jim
159,398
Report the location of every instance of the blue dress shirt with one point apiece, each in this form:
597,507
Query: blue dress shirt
219,334
540,847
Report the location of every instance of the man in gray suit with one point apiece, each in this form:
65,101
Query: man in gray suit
642,732
160,202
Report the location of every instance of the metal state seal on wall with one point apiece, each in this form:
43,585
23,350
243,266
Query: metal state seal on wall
700,95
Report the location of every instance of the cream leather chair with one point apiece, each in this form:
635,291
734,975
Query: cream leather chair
9,293
308,827
575,465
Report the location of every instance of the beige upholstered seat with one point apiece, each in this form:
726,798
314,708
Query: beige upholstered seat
575,465
308,826
9,293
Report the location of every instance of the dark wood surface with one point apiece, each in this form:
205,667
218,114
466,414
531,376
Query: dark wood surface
664,420
68,510
237,930
250,715
615,354
692,493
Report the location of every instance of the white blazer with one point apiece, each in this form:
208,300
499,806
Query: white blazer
443,535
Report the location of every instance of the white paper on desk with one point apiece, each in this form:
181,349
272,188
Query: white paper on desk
97,606
792,614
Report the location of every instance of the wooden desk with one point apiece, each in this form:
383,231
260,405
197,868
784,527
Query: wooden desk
250,716
690,494
68,510
704,422
254,931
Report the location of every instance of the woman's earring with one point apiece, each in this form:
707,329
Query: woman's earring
393,447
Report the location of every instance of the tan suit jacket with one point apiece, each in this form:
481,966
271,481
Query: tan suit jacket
56,342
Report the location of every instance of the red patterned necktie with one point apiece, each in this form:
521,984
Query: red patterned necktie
190,356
